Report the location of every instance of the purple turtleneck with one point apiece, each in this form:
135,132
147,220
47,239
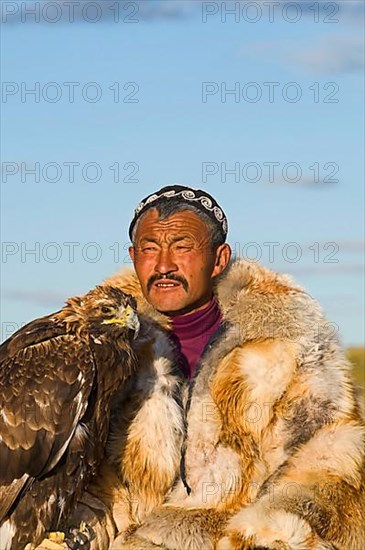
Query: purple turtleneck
192,332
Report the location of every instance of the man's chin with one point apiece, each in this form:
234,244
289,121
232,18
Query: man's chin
176,303
168,302
175,309
170,308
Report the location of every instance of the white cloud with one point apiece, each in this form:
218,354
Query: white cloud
39,297
332,54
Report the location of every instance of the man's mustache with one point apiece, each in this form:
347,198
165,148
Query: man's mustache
170,277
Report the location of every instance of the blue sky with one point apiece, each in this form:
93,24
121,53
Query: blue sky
289,174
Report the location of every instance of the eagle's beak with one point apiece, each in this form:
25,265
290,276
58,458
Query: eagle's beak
127,318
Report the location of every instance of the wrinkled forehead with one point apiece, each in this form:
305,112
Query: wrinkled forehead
181,223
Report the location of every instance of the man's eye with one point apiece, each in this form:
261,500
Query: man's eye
148,248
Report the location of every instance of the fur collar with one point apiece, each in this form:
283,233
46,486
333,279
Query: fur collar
257,301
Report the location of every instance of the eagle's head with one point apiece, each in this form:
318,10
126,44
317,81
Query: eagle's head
105,309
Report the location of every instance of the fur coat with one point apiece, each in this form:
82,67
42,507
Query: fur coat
264,449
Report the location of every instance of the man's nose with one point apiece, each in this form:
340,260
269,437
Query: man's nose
165,262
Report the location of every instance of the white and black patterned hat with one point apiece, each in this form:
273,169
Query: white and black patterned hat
197,197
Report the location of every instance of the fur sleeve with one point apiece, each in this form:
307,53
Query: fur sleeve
313,500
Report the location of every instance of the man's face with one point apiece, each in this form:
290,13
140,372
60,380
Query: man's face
174,261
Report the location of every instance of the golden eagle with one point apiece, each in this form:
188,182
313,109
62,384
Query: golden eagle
57,377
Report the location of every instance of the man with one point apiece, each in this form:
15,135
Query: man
178,251
266,450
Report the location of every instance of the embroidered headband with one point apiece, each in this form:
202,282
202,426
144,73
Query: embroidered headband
197,197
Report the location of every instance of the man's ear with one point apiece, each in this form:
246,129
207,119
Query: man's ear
131,253
222,257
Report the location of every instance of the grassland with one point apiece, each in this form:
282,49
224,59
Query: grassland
357,357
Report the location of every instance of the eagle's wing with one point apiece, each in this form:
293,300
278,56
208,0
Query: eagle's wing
32,333
46,377
8,494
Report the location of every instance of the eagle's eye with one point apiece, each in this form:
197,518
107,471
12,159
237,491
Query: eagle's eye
106,309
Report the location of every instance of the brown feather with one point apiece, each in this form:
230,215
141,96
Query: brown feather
9,493
57,378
